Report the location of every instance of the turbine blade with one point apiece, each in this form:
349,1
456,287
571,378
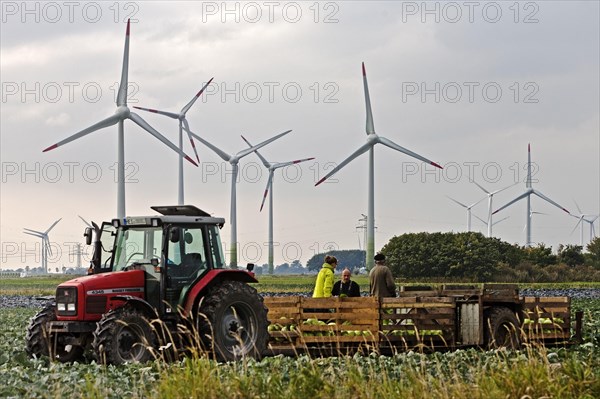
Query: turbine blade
156,111
482,221
224,156
48,246
528,178
51,227
189,105
364,148
483,189
144,125
396,147
498,221
34,231
269,183
111,120
459,203
122,95
370,126
85,221
263,160
578,208
185,123
575,228
33,234
250,150
520,197
475,203
502,189
542,196
284,164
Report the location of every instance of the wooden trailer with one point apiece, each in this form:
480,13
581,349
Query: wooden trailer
420,318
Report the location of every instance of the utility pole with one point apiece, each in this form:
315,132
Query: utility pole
363,227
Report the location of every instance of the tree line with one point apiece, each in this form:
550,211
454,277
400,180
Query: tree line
473,257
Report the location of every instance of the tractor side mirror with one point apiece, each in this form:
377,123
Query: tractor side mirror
88,235
250,267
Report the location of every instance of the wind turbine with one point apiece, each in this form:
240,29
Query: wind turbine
372,139
46,249
119,117
233,161
272,167
182,121
490,197
527,194
582,218
468,208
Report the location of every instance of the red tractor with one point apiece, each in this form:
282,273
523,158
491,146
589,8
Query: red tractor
157,285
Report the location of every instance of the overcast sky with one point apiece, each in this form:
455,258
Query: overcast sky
466,84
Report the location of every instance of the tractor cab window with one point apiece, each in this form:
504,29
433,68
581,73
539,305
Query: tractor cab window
137,245
107,241
216,250
186,256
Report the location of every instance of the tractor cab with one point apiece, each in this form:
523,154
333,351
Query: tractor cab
175,250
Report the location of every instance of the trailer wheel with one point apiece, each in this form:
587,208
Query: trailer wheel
501,328
233,321
40,342
123,336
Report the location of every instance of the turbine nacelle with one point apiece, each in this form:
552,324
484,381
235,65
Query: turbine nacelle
123,111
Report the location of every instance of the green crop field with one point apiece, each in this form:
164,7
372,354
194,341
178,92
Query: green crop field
533,372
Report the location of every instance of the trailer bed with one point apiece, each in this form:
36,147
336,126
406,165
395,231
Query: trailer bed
420,318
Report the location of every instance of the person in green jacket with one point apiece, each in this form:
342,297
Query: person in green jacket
324,283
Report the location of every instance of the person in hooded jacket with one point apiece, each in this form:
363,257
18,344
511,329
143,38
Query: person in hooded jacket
324,283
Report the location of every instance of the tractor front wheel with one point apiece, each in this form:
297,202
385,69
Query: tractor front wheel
233,321
123,336
40,342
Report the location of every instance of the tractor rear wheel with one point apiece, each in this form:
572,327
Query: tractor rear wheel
501,328
124,335
233,321
40,342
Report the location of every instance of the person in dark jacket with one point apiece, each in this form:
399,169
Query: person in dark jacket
381,279
345,286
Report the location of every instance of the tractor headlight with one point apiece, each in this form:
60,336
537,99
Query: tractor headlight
66,301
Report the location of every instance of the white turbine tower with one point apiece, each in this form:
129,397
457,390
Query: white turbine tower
531,213
46,248
372,139
119,117
490,197
468,208
233,161
590,219
182,122
527,194
269,190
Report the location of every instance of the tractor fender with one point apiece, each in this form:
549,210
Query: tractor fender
137,303
209,280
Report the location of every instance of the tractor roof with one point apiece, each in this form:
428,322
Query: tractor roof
174,214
